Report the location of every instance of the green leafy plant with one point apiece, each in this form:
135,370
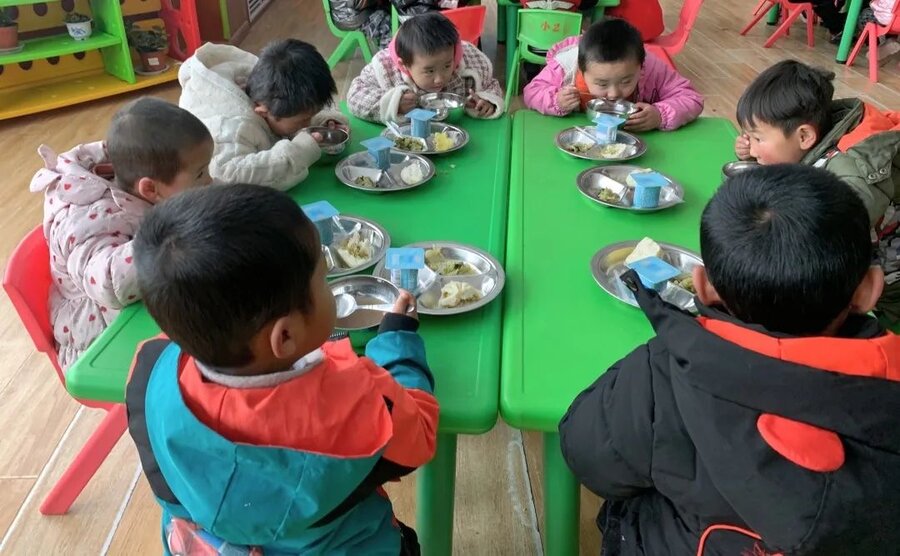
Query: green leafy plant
5,20
75,17
154,39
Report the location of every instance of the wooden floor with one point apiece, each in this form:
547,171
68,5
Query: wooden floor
499,478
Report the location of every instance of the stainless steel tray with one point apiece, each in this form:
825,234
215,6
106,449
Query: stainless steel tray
367,290
572,137
609,264
343,228
362,164
488,277
458,134
613,179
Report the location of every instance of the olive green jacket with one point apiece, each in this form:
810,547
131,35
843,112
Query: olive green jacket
871,167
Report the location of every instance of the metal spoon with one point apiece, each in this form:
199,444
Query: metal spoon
347,305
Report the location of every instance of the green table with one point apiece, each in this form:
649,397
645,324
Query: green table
560,329
465,202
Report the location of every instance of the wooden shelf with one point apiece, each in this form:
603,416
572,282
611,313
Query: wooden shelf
8,3
38,98
58,45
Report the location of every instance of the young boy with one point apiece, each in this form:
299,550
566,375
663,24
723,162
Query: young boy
776,412
256,109
426,56
95,196
787,116
249,423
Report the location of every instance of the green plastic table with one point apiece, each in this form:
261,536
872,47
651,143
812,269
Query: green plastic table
466,202
560,329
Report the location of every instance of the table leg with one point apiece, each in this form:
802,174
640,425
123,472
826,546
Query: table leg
436,485
849,30
561,502
774,13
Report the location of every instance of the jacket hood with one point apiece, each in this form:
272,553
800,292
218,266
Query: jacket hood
870,136
217,74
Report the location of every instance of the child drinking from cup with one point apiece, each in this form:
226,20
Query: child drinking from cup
609,61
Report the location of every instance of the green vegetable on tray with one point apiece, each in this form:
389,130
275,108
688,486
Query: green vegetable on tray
408,144
364,181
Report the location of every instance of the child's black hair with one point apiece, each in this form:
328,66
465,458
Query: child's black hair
148,138
788,95
215,264
291,78
425,34
786,246
610,40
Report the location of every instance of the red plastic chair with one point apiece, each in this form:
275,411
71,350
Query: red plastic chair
871,32
27,283
182,25
469,21
790,13
668,45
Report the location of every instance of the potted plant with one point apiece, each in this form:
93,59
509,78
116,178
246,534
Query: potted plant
9,32
151,44
79,25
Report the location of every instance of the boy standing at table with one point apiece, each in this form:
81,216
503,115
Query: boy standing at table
770,424
253,429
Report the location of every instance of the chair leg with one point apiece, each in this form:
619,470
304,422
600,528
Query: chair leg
364,47
760,7
756,18
783,28
810,28
345,47
859,43
86,463
512,82
873,55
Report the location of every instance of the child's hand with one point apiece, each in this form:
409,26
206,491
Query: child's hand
406,305
568,99
742,147
646,118
408,102
334,124
481,107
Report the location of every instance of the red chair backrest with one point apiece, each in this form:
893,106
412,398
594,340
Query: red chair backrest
469,21
676,40
27,283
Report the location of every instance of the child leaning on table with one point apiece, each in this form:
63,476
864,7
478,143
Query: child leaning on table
95,196
249,423
426,56
768,424
256,109
788,115
609,61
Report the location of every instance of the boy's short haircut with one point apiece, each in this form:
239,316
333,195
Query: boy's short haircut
427,34
788,95
786,246
291,78
610,40
148,138
216,264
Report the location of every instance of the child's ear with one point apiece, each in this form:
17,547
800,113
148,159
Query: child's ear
284,339
706,292
868,291
261,110
148,188
808,136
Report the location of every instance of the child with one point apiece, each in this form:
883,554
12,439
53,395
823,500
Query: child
773,414
95,196
787,115
373,17
426,56
249,423
609,61
256,109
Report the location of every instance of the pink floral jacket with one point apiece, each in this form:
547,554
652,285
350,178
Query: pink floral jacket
677,100
89,224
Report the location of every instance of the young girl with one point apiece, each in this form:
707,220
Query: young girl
95,196
426,56
609,61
